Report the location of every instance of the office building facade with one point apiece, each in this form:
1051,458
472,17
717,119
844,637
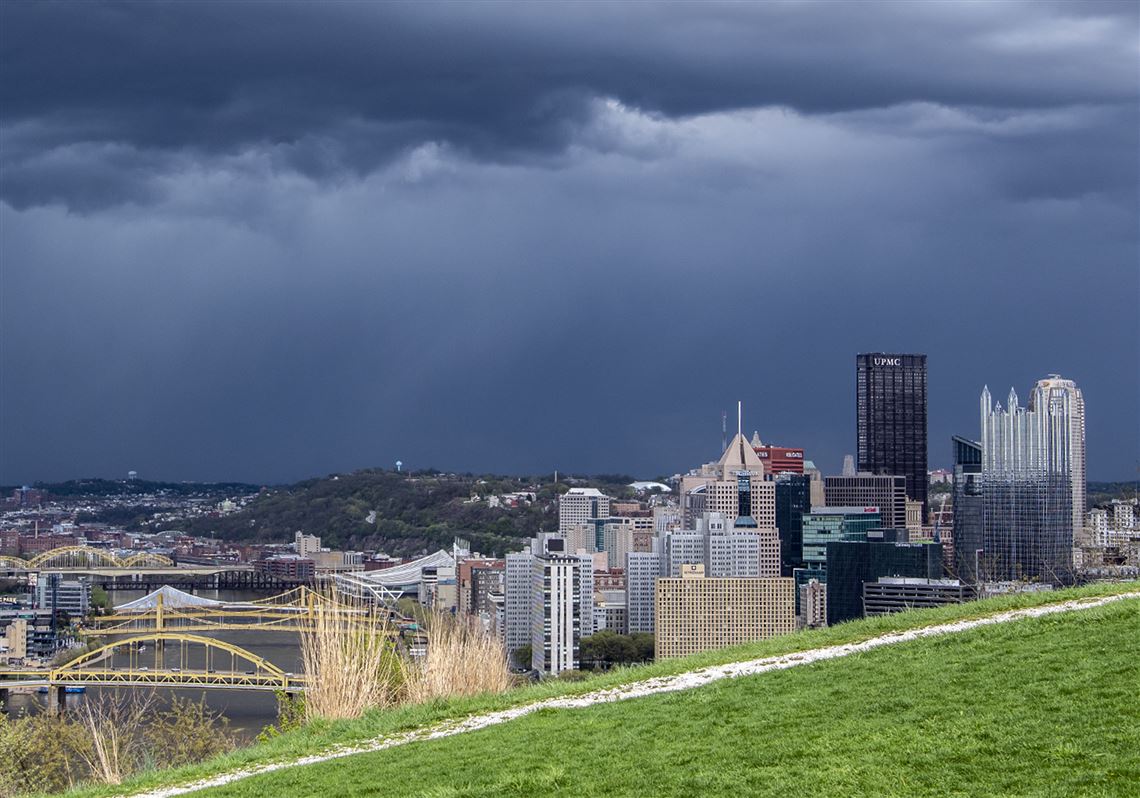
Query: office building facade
890,414
641,572
793,499
697,613
850,564
824,525
582,506
967,503
1032,460
887,492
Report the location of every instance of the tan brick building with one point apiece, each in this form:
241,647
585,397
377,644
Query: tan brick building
694,613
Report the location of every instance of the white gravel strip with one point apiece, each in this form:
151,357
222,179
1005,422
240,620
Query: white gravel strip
661,684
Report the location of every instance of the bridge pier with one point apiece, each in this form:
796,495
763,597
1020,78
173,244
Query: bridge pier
57,698
3,699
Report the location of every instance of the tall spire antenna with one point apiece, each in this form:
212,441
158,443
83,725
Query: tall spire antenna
739,425
723,430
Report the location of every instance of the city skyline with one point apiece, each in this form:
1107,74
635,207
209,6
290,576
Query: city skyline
267,242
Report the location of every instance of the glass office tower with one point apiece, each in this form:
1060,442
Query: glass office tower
890,418
1032,483
967,508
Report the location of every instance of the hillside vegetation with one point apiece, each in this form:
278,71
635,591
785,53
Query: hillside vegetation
414,513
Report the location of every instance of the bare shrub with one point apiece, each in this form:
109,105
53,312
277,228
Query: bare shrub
350,663
187,732
462,659
114,727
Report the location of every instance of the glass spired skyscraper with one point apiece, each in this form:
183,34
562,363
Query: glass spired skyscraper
1033,483
890,418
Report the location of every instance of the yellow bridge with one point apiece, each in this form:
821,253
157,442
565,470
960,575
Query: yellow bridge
292,611
84,557
161,659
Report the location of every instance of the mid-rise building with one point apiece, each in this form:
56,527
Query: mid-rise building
889,594
697,613
813,604
610,611
850,564
581,506
778,459
68,595
1033,488
290,567
641,572
826,524
885,491
306,545
890,413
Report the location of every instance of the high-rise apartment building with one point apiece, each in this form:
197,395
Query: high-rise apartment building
1033,491
517,601
557,622
582,506
886,492
890,417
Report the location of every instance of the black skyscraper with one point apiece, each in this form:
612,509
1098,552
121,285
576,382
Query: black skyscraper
793,499
890,415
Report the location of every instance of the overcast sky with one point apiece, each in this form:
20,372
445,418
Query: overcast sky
265,241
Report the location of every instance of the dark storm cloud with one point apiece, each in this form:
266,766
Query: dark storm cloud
344,87
263,241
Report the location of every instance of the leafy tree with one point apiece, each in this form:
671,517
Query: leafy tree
522,657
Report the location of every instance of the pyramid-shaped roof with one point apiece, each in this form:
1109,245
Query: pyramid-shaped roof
740,456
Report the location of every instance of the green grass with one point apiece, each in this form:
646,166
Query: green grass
320,736
1045,706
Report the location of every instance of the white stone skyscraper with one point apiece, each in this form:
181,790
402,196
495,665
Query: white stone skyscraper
1033,482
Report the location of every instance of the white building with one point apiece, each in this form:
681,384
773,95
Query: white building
580,506
559,615
306,545
641,572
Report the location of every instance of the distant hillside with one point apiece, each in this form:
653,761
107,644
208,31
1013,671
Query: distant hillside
413,512
1104,492
102,488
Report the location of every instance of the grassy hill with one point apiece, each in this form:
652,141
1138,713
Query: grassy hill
904,719
1040,706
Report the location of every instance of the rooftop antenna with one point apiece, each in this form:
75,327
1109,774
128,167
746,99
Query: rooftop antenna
739,425
723,430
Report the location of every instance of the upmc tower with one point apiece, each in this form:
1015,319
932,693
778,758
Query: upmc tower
890,413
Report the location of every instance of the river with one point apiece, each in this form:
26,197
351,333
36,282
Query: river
248,711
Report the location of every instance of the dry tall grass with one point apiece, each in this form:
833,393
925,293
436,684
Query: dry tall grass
351,665
462,659
115,727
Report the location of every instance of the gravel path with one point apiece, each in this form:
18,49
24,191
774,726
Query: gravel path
661,684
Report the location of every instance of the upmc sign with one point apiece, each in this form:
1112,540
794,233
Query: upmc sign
888,361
